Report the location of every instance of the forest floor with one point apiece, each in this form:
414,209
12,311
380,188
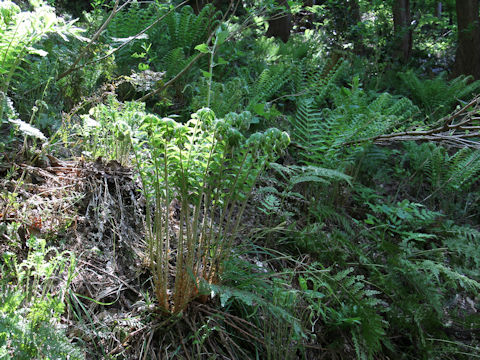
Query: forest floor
96,211
91,210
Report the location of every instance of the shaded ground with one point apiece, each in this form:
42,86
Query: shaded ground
93,210
96,211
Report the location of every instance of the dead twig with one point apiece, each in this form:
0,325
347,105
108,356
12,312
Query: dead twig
111,275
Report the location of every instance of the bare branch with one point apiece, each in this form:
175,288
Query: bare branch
136,36
94,38
188,66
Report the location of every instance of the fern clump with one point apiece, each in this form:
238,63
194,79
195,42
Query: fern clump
24,339
19,32
134,19
129,23
443,172
226,97
108,129
289,190
343,301
418,267
268,83
327,134
437,96
210,168
174,39
463,243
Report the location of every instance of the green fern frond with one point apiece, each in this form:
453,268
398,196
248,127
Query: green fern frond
463,242
324,84
269,82
225,97
19,32
453,277
467,233
186,30
438,96
445,172
295,174
350,304
355,115
317,174
464,168
311,130
174,61
133,19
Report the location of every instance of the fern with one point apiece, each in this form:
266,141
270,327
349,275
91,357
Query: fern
310,174
128,23
27,339
323,85
342,299
185,30
464,168
263,298
19,31
443,172
421,265
416,301
294,179
269,82
175,60
325,134
289,189
173,42
133,20
270,204
30,306
307,130
454,278
437,96
463,243
225,97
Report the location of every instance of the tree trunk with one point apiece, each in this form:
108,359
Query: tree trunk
357,36
280,23
438,10
467,58
402,30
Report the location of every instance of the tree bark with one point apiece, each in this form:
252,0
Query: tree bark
438,9
467,58
198,5
402,30
280,23
358,47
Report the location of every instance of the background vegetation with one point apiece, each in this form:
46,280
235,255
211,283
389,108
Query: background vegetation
239,180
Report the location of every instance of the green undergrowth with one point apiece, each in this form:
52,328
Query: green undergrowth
31,307
331,245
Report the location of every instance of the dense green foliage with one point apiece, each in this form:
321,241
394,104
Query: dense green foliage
26,315
317,198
